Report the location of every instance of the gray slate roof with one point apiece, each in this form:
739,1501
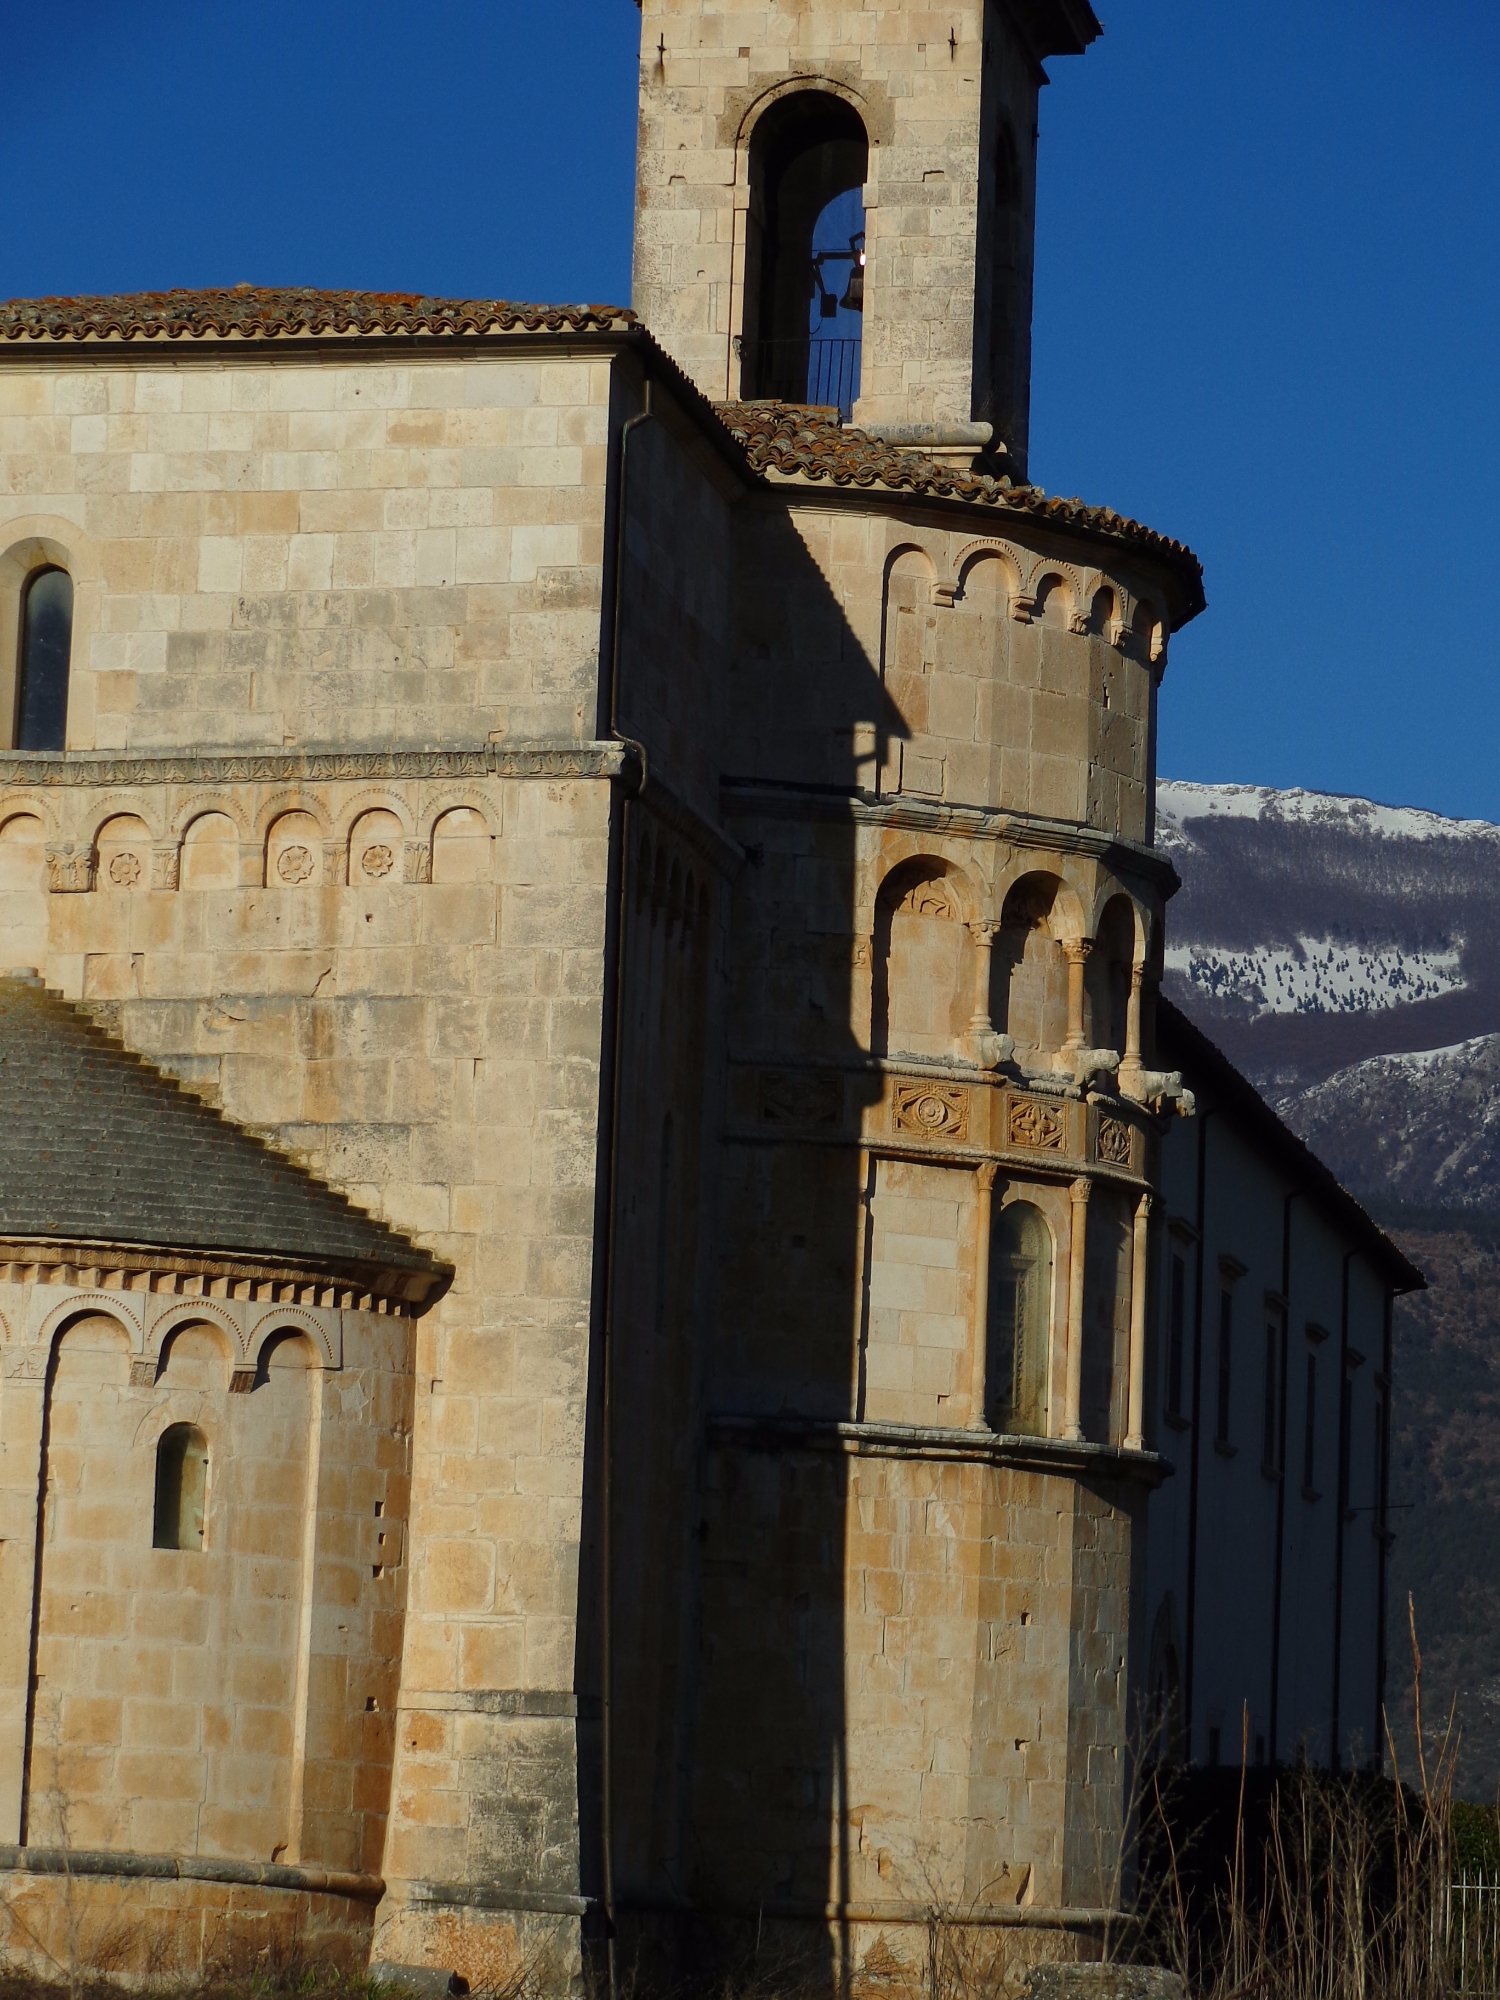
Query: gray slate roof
97,1145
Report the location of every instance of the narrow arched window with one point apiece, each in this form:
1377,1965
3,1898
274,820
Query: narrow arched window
805,267
46,644
181,1488
1020,1321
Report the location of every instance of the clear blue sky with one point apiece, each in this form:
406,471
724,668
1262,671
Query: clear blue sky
1268,293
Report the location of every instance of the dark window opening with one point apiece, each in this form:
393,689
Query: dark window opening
1226,1364
181,1488
1176,1335
1270,1451
1020,1321
1346,1434
1310,1427
41,719
805,262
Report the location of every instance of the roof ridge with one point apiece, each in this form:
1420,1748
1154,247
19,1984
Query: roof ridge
284,312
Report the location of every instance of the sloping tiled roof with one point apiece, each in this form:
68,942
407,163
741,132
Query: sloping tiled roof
777,438
805,443
254,312
97,1145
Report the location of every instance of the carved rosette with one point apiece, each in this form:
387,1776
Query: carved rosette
1038,1127
1114,1142
931,1110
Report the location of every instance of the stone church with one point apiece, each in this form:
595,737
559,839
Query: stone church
609,1289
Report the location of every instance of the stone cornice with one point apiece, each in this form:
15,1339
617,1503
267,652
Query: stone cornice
127,1867
546,759
979,1447
993,823
115,1267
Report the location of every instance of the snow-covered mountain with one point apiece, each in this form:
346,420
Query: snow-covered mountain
1315,933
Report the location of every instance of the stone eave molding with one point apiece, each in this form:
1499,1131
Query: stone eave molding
1073,1457
209,1274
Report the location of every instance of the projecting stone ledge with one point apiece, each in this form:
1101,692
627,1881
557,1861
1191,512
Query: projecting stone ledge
1103,1982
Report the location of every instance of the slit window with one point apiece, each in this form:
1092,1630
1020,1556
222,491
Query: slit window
1226,1366
41,719
1020,1321
1270,1450
181,1488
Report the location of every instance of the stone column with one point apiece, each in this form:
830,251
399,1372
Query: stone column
1077,1250
1140,1256
981,1021
1076,951
1133,1017
979,1339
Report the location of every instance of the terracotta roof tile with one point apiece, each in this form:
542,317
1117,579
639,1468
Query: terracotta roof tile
255,312
809,443
782,439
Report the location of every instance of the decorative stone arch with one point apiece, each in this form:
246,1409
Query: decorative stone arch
373,848
195,1312
122,845
1073,899
204,861
125,805
294,845
1058,582
460,857
228,1355
198,803
976,558
276,1320
293,799
376,798
34,804
1041,925
1105,608
868,100
107,1305
923,974
912,855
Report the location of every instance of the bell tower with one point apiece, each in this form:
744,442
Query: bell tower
835,204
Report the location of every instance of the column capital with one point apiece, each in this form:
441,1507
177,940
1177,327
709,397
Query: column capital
1076,950
984,931
986,1175
1080,1190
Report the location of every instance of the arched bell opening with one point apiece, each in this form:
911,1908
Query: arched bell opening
805,253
